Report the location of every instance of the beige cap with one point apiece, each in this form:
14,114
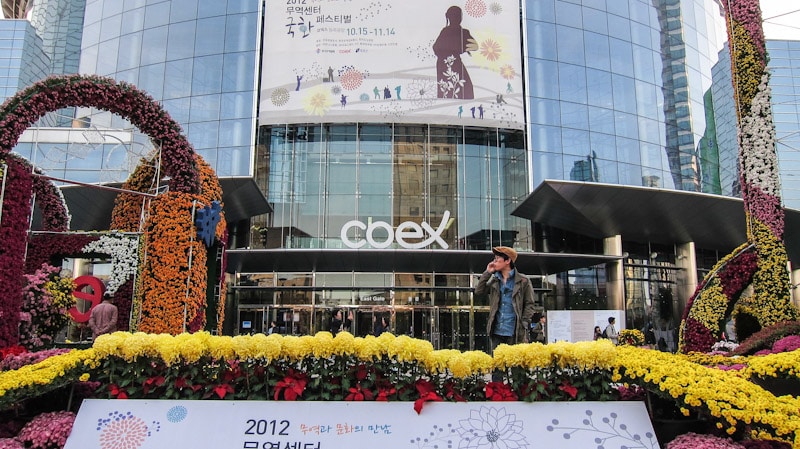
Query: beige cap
506,251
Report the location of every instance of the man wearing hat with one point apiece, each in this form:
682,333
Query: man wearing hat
510,295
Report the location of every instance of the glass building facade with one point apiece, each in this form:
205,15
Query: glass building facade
784,69
197,58
625,92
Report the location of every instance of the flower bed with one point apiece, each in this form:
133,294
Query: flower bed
323,367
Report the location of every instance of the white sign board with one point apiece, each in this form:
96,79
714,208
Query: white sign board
415,61
154,424
578,325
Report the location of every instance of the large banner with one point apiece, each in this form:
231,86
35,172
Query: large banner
406,61
153,424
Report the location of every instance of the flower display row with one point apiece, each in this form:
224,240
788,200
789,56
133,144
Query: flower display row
324,367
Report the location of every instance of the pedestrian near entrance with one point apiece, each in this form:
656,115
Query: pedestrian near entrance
103,319
338,323
510,294
539,331
611,330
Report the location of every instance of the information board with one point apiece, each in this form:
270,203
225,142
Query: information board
578,325
134,424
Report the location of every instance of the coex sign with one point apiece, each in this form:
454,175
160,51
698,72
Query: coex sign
406,230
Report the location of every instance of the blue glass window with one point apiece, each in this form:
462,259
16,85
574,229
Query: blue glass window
574,115
542,74
151,79
180,43
599,90
570,45
178,79
207,75
596,21
541,44
156,15
133,21
204,108
130,47
154,46
598,55
211,39
572,83
181,10
110,28
236,105
568,14
238,71
240,33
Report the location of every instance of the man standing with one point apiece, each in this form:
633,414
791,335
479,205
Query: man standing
103,319
510,293
611,331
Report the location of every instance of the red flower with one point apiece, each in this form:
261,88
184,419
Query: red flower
498,391
566,387
292,386
152,383
384,393
359,394
427,392
222,389
451,393
117,392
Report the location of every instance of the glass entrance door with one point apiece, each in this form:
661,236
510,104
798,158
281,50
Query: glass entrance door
455,329
252,320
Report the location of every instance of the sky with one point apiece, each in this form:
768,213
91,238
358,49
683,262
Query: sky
781,19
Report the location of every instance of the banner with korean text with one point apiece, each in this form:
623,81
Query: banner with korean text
134,424
410,61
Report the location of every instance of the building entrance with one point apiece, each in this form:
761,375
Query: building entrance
447,327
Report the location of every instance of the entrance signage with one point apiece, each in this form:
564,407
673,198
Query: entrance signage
405,231
151,424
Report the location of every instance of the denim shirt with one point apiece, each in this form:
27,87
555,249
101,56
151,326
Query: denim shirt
506,318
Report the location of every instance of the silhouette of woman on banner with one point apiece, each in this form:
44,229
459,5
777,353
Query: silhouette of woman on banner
452,77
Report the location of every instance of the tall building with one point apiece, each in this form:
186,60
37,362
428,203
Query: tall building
372,153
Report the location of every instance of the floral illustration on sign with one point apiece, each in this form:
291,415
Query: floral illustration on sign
177,414
124,431
486,427
608,430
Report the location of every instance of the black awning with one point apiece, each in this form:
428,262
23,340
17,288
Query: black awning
399,260
645,214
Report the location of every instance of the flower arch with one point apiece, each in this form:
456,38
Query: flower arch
764,265
21,111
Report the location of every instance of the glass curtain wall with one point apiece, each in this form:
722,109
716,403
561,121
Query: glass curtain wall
321,177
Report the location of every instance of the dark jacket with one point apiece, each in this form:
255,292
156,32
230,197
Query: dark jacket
521,297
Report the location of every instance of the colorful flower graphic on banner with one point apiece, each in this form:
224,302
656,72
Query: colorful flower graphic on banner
317,101
476,8
177,414
124,431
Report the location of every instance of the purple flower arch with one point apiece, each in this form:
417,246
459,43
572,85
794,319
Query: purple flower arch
21,111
